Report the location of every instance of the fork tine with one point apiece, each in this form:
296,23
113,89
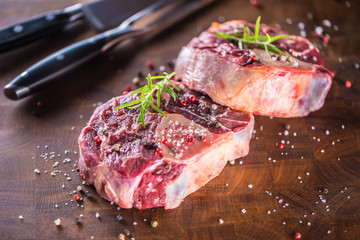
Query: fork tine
145,12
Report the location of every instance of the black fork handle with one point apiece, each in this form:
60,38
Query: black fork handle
46,71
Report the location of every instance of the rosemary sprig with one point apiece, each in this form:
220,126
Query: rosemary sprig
146,98
245,40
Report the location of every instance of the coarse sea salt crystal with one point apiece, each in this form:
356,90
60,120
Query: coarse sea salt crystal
303,33
301,25
221,221
326,23
319,30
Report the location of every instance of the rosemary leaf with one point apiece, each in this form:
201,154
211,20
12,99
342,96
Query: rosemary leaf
245,40
146,98
257,28
128,104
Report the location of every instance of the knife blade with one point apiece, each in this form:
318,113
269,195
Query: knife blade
100,16
146,23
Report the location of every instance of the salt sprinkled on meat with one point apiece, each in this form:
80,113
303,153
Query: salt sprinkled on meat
144,171
229,64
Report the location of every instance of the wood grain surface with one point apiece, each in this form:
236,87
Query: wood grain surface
311,186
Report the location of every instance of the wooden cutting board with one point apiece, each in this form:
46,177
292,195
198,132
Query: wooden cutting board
311,186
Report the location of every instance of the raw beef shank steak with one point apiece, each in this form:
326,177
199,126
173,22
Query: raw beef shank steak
248,79
173,157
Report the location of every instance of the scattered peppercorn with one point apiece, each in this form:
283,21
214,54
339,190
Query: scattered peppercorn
253,57
183,102
326,39
97,139
39,103
165,141
189,138
127,232
192,99
255,3
136,80
154,224
121,236
77,197
128,88
281,146
88,194
119,218
116,147
79,188
204,139
174,150
159,150
126,92
57,222
297,235
199,138
77,220
150,65
348,84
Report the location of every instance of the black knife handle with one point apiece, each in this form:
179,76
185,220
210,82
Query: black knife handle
46,71
35,28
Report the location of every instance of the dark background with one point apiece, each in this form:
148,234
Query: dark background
301,189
